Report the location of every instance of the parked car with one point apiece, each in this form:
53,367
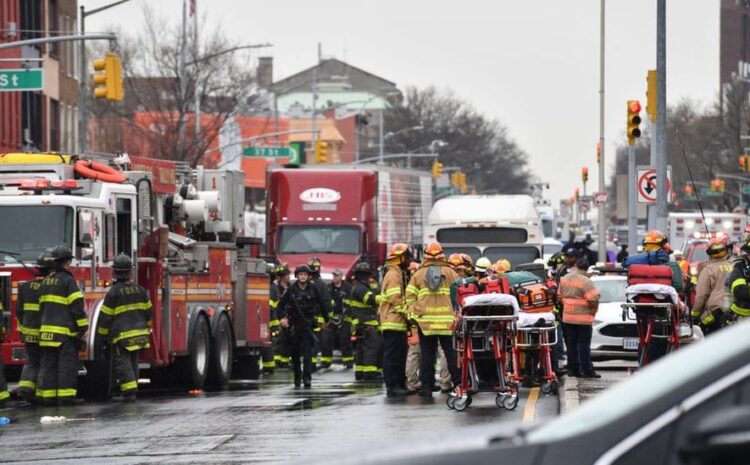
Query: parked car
612,337
689,408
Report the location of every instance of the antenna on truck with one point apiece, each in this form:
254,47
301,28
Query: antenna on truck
692,181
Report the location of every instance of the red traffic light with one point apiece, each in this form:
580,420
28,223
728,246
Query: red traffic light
634,106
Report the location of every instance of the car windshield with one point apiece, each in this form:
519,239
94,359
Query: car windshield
551,249
647,385
698,254
516,255
611,290
28,230
319,239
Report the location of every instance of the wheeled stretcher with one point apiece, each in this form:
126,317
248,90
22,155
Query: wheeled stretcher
483,337
535,337
660,315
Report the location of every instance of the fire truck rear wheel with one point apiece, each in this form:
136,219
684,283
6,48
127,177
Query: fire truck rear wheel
220,369
198,357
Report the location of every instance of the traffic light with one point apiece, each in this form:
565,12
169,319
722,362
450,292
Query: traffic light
108,79
585,174
634,121
745,163
651,95
462,182
437,169
598,153
321,152
717,185
688,190
455,179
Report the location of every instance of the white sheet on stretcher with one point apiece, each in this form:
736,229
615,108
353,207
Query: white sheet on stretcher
505,300
526,320
661,291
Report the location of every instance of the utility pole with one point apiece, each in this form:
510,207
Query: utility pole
83,117
602,188
632,201
183,85
662,196
315,100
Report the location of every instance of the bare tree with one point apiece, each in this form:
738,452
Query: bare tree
482,148
149,118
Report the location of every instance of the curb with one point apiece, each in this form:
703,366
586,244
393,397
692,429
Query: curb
569,397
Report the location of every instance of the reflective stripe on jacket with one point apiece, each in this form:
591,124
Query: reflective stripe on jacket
363,305
392,310
739,289
126,316
432,310
580,298
27,310
61,308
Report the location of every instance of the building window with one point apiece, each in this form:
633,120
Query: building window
54,125
53,28
31,19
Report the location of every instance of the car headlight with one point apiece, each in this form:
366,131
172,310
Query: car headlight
694,270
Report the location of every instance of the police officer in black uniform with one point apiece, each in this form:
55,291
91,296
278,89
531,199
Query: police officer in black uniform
363,304
339,332
27,314
63,326
298,311
125,326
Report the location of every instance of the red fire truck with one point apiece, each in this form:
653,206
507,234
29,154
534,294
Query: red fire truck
344,214
184,231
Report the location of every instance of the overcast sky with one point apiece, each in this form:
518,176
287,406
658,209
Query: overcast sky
533,65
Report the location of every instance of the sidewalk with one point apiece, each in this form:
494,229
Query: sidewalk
573,391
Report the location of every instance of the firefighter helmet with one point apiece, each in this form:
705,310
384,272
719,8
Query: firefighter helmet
121,266
302,269
314,264
399,250
717,245
467,259
362,268
434,250
62,252
505,263
456,261
499,267
483,264
282,270
44,261
655,237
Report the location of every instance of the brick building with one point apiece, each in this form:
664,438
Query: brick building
45,119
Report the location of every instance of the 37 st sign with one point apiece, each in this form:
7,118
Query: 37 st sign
17,80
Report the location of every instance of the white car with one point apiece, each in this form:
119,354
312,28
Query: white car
613,338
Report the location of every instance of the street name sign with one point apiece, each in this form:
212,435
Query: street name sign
17,80
646,183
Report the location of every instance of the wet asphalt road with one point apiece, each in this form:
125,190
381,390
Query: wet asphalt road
266,421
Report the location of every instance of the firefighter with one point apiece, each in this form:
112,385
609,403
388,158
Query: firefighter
709,300
298,310
268,362
27,314
280,336
580,300
125,326
314,265
392,313
482,266
457,263
468,264
739,279
63,326
430,307
340,330
363,303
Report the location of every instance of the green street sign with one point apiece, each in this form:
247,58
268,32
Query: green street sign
690,198
746,189
16,80
269,152
709,193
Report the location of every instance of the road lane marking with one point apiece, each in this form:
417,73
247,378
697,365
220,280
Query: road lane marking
528,410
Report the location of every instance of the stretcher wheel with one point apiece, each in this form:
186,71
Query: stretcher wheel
507,401
450,402
460,403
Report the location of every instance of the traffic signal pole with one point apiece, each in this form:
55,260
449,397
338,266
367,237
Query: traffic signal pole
602,188
661,115
632,202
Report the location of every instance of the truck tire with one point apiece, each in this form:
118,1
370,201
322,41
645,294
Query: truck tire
197,360
222,353
96,384
247,367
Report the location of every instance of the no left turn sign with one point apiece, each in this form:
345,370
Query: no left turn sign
646,183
